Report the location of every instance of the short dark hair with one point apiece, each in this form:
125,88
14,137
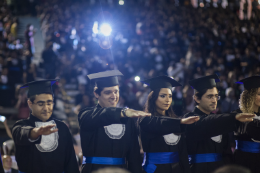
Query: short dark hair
98,90
200,93
232,169
32,98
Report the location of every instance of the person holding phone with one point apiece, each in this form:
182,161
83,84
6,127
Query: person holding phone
43,144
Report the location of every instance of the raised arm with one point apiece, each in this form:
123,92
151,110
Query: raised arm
165,125
21,134
92,118
25,134
160,125
215,124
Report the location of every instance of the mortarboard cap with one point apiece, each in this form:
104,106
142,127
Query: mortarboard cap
40,87
161,82
106,78
205,82
250,82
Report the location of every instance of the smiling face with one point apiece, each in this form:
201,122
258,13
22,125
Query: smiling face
164,100
42,106
108,97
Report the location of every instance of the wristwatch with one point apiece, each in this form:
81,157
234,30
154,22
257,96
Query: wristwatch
123,111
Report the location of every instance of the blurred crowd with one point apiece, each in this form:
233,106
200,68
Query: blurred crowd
149,38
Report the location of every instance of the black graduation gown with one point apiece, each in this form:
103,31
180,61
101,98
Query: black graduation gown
32,157
98,141
247,132
153,130
199,138
1,166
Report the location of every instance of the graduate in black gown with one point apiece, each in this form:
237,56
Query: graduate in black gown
162,141
43,144
247,151
207,139
108,133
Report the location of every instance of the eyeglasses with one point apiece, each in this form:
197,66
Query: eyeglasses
42,104
210,97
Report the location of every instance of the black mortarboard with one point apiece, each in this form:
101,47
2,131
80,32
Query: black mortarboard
40,87
205,82
106,78
161,82
250,82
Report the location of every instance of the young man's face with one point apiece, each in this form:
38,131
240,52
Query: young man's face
7,163
42,106
208,101
108,97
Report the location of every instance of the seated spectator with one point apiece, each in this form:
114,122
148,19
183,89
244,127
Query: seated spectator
111,170
230,103
7,164
232,169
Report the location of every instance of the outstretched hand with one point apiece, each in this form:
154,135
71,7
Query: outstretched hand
44,130
131,113
245,117
190,120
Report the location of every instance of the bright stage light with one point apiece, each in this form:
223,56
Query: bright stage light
106,29
121,2
137,78
95,27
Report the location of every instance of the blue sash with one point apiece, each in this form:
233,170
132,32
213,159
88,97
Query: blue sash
103,160
202,158
248,146
150,159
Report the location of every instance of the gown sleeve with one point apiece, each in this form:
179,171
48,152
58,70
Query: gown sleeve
93,118
183,155
21,133
252,129
160,125
134,159
71,165
211,125
227,152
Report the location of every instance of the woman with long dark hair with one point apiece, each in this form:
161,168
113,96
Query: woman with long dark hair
163,144
247,151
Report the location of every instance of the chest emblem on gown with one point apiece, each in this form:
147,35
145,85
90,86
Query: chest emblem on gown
48,142
217,139
115,131
172,139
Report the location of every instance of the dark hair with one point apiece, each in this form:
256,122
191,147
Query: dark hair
98,90
150,105
32,98
28,25
232,169
200,93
